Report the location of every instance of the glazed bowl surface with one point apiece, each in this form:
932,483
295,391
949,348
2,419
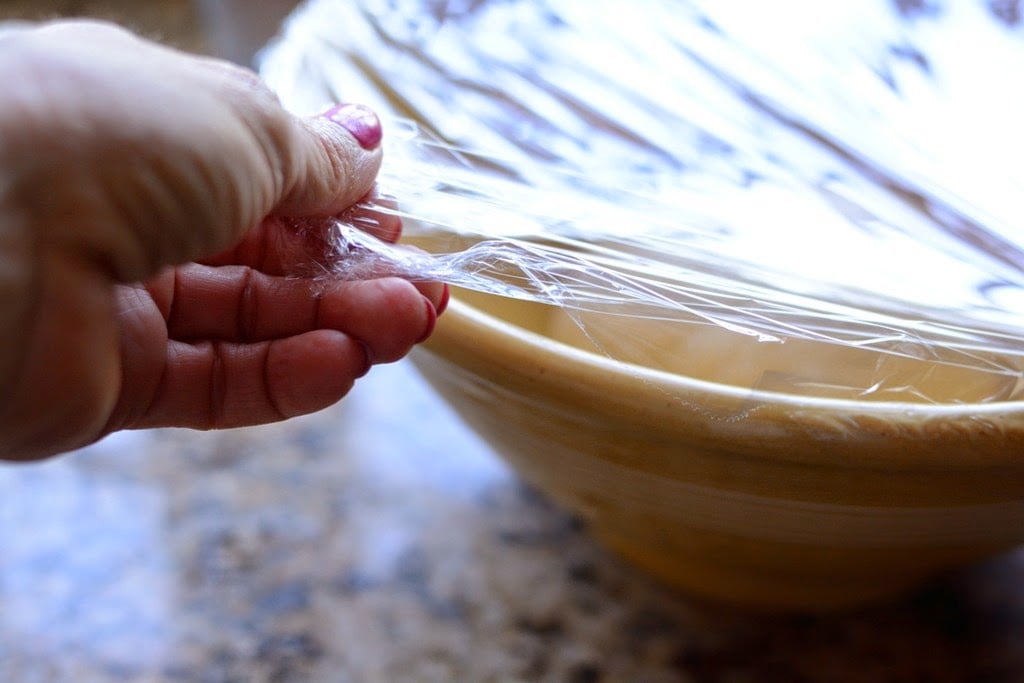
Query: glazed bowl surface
735,493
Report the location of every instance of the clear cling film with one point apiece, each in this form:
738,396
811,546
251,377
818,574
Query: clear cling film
831,204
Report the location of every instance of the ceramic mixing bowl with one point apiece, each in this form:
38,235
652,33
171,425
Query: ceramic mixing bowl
741,494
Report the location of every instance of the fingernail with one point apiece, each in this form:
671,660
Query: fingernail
442,305
431,321
359,120
368,354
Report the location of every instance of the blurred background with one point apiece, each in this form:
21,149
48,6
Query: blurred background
232,29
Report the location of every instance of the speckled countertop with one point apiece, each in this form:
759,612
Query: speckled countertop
381,541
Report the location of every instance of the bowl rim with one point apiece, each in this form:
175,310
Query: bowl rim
465,324
619,367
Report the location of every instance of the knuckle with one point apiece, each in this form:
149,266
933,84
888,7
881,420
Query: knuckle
98,30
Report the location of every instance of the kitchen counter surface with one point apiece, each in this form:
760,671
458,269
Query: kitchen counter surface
381,541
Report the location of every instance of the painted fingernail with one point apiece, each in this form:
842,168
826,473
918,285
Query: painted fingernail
368,355
359,120
431,321
442,305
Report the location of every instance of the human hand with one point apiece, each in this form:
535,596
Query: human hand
145,199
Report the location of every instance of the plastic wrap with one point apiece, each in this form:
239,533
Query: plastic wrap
824,198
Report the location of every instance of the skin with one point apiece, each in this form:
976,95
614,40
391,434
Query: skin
148,202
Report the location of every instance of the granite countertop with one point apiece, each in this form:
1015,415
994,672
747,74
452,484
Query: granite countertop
380,540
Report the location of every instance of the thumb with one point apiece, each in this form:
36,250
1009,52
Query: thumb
337,156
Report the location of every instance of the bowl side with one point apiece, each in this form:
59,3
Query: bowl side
504,346
731,498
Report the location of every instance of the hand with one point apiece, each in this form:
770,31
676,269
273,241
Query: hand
145,204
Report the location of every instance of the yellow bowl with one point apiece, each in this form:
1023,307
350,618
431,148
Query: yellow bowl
755,497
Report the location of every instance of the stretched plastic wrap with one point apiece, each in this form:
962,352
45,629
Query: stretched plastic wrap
806,197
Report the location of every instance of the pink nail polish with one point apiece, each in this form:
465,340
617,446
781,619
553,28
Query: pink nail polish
431,321
359,120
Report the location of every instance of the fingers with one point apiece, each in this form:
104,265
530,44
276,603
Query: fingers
334,159
216,385
280,246
154,157
239,304
241,347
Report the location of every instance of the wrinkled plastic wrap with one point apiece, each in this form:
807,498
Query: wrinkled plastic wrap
820,198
